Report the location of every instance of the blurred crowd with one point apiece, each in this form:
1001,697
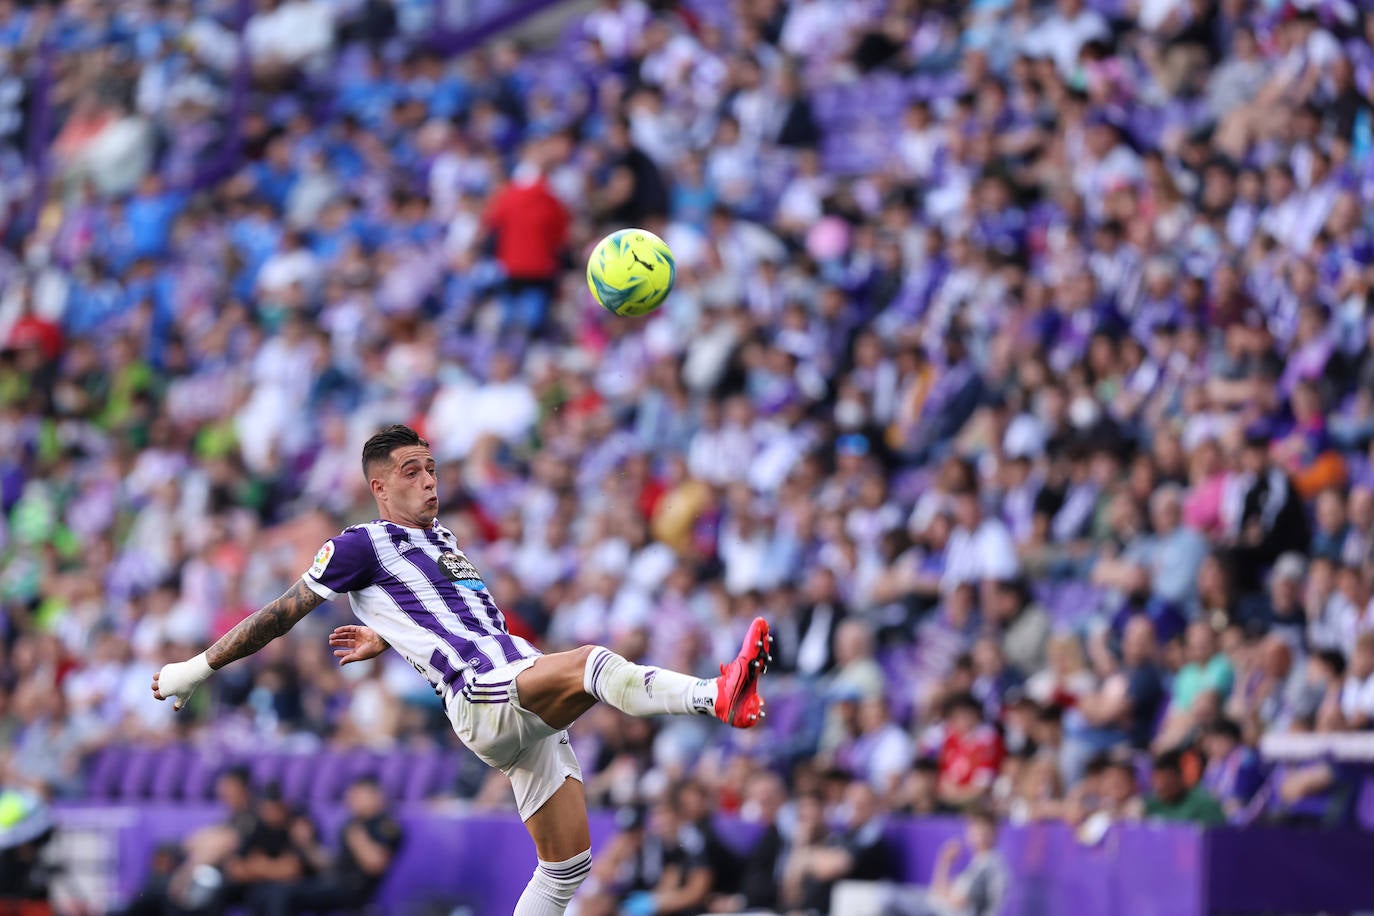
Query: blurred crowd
1019,369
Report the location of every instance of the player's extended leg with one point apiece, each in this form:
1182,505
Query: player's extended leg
563,842
561,687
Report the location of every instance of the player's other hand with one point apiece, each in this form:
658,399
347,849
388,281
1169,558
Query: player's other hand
178,680
353,643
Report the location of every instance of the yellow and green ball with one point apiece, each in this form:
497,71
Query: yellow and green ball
631,272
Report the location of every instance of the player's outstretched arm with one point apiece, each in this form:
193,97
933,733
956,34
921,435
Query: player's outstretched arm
353,643
180,679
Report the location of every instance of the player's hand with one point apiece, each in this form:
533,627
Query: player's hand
353,643
180,679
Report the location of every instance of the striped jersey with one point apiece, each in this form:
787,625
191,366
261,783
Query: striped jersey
419,592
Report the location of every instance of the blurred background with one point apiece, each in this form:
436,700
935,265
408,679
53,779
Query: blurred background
1020,370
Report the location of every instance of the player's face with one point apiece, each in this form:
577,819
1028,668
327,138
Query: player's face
410,491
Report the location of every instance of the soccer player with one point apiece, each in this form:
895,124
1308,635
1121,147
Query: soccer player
411,585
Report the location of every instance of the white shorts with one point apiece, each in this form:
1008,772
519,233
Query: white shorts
486,714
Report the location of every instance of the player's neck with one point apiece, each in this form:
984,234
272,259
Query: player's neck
404,522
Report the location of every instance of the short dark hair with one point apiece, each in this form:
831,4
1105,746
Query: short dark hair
1333,659
239,774
964,701
381,445
1225,728
1169,762
983,814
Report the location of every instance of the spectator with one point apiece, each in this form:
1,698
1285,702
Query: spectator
758,886
1357,695
1120,795
1207,669
196,327
1172,800
980,549
1024,624
1066,678
368,841
1233,771
267,857
881,751
192,876
970,754
671,872
1123,710
817,859
1166,561
979,889
818,625
530,227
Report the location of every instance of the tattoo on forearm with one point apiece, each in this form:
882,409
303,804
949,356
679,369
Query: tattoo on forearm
264,626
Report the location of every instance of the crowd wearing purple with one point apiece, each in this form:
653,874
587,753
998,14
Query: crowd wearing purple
1019,370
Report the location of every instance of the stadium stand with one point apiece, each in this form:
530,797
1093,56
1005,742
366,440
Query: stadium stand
1020,370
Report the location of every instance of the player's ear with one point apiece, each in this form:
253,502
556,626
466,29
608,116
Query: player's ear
378,487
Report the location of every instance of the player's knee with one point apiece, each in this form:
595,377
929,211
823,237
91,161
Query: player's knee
562,879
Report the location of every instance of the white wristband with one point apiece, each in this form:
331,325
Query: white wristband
199,667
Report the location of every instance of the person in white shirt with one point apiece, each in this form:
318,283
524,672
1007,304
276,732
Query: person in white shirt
1357,695
980,548
1063,35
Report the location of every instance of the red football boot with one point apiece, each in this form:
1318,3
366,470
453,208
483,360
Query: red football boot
737,699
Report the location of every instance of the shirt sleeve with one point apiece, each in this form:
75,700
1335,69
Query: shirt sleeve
344,564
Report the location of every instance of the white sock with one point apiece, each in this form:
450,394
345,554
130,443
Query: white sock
552,886
643,691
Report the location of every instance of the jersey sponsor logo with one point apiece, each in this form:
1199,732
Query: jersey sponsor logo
456,566
322,559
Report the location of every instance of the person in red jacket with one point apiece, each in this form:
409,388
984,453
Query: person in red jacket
971,754
529,226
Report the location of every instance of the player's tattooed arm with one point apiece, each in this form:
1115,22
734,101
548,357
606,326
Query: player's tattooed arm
264,626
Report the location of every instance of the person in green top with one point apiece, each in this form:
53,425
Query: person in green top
1207,669
1171,799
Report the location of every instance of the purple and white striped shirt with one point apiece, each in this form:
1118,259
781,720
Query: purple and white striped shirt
422,595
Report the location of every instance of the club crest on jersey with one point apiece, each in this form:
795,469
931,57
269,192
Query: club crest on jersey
456,566
322,559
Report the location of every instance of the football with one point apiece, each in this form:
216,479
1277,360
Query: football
630,272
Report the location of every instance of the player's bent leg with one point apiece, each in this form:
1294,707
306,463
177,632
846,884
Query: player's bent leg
561,687
563,841
552,689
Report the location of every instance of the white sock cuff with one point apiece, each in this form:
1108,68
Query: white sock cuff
553,885
569,872
597,660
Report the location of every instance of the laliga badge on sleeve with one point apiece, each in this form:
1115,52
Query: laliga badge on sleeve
322,559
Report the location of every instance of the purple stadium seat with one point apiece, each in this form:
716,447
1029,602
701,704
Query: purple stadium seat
296,776
138,772
423,777
265,768
104,773
198,782
392,773
327,780
169,773
446,778
359,763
